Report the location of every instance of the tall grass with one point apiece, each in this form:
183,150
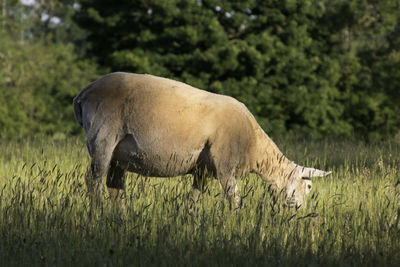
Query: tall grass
350,218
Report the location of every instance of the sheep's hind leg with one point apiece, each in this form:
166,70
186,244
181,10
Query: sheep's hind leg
116,184
199,186
101,151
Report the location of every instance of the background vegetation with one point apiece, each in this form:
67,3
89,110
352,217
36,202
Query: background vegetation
308,67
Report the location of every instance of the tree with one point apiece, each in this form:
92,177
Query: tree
309,67
39,76
369,48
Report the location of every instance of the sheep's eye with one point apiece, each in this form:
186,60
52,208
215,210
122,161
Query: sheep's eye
309,186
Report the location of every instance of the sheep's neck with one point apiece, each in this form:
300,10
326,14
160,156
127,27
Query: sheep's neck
271,164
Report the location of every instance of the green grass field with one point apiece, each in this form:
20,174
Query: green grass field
350,218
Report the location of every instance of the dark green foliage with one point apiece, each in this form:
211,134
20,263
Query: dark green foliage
317,67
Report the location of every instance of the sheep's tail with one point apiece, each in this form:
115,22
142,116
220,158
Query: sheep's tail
78,111
77,102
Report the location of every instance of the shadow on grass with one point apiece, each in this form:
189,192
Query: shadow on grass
110,240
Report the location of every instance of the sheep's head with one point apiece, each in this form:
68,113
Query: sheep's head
300,184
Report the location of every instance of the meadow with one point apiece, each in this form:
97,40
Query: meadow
351,218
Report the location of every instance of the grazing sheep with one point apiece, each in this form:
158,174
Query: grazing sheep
159,127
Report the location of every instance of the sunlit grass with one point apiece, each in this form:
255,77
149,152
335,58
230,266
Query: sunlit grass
350,218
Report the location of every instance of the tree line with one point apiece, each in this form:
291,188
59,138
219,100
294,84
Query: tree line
307,67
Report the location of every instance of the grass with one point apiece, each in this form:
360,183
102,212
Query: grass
351,218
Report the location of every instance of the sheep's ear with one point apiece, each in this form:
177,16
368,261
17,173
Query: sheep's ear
305,172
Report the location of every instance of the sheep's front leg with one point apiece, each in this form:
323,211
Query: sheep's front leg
231,190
